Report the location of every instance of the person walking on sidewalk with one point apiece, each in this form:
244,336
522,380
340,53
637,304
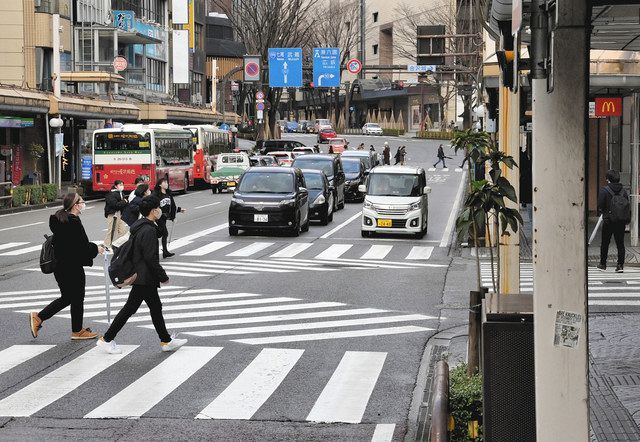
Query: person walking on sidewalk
615,208
386,154
169,211
441,157
73,251
150,275
400,155
114,204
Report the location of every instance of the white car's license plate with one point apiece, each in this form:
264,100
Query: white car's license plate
260,218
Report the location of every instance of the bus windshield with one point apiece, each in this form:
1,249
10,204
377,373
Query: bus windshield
122,142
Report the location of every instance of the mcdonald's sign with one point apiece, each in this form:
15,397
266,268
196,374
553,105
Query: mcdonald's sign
608,106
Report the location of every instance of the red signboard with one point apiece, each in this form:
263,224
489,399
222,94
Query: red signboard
608,106
16,165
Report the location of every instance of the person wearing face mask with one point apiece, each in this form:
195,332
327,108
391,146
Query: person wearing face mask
131,213
73,251
114,204
149,276
169,211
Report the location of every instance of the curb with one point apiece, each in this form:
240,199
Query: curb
419,410
55,203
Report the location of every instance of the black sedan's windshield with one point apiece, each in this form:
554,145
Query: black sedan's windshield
393,184
351,166
266,183
324,165
314,181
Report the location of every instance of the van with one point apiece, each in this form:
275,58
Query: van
396,201
268,146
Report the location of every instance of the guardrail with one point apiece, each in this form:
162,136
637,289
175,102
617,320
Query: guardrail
8,197
440,404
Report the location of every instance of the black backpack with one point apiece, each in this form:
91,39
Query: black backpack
619,206
122,270
47,256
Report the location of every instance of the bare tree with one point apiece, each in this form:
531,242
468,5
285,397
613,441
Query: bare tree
458,17
264,24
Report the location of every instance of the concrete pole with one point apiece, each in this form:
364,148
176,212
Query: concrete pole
55,42
509,133
635,163
559,235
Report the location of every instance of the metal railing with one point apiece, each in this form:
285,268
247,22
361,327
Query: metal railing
440,404
4,198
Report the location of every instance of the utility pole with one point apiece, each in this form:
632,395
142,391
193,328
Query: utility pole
362,53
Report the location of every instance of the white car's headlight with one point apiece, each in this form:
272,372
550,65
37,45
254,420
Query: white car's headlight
320,200
415,206
368,204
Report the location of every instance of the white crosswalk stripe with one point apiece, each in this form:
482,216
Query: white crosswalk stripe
377,252
11,245
418,252
251,249
334,251
604,288
204,250
344,397
22,251
292,250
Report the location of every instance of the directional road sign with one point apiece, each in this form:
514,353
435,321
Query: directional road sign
421,68
285,67
326,67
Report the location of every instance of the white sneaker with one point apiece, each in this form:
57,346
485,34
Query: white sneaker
108,347
173,344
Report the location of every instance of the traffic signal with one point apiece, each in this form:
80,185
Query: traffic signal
505,61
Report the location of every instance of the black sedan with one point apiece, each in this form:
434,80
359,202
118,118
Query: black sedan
270,198
320,196
354,176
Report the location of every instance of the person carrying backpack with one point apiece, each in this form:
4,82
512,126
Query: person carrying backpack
149,275
73,251
615,208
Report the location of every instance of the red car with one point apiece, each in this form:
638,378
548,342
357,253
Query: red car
326,135
338,145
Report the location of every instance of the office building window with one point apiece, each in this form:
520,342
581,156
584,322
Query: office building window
155,75
219,32
198,36
375,49
375,17
152,10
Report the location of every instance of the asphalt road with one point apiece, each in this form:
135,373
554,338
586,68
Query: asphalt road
312,338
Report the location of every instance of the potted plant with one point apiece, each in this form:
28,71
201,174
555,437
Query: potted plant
35,152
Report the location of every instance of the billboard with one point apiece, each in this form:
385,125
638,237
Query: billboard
181,56
180,12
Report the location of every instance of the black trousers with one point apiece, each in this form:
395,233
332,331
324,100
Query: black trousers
162,225
139,293
71,281
440,160
617,230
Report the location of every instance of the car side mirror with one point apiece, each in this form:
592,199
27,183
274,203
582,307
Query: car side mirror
426,190
362,188
331,188
304,190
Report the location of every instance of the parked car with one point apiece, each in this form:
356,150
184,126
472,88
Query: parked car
332,168
396,201
225,178
270,198
320,196
297,151
268,146
283,158
372,129
326,135
354,177
291,126
321,123
338,145
368,158
304,126
263,160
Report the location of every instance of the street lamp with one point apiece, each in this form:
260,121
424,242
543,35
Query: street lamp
57,123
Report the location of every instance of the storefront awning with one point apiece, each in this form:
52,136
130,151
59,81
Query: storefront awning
85,107
181,114
91,77
136,38
23,100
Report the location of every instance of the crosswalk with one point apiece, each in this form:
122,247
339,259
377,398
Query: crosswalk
341,397
605,288
246,318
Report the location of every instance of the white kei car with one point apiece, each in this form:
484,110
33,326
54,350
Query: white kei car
372,129
396,201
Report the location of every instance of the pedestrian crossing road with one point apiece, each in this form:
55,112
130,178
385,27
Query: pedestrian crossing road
606,289
245,318
339,392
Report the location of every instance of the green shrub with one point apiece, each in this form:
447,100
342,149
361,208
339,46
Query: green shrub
393,132
50,192
465,402
19,195
36,194
435,135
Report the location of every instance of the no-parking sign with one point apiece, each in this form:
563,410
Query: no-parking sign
252,68
354,66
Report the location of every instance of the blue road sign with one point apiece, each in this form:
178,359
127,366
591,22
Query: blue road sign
326,67
285,67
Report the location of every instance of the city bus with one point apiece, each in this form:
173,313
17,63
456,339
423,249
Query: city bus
138,150
210,141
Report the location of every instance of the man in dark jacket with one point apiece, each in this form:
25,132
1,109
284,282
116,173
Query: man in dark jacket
114,204
441,157
386,154
150,275
611,226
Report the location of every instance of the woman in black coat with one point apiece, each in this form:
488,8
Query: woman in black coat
169,211
131,213
73,251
